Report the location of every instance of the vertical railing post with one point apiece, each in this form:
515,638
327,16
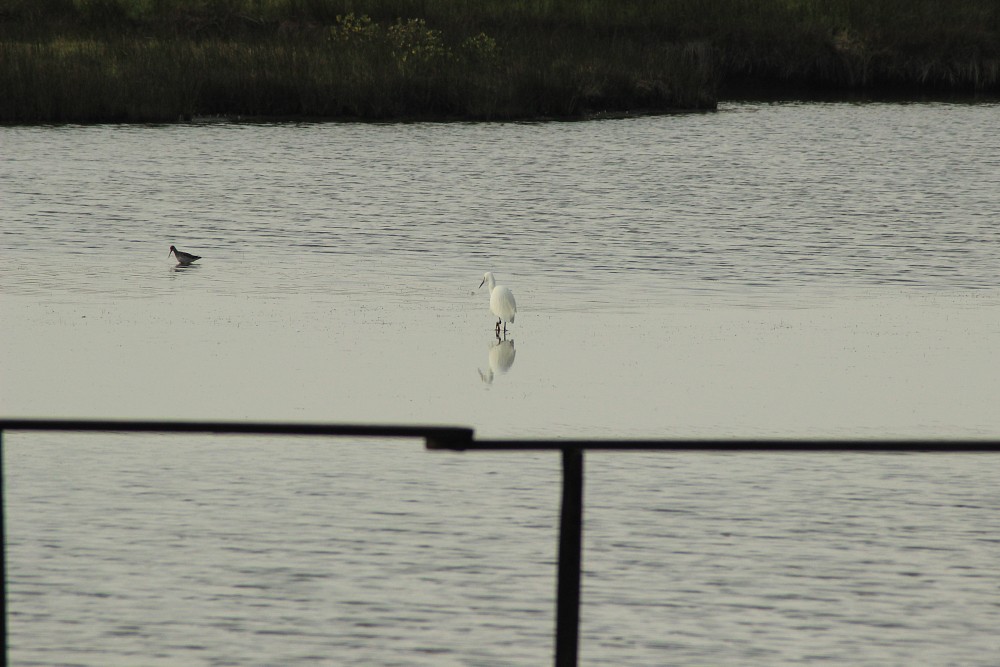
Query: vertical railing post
570,547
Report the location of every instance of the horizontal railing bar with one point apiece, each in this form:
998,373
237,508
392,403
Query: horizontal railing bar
462,438
447,437
731,445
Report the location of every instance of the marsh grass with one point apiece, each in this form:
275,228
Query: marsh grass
160,60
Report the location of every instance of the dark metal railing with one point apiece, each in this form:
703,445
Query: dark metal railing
462,439
571,517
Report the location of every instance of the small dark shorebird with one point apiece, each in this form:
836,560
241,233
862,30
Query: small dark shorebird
183,258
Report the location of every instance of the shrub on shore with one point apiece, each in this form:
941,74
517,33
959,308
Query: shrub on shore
160,60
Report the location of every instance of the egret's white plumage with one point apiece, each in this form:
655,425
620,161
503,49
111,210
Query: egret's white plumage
501,301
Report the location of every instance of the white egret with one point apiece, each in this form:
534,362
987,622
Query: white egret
183,258
501,302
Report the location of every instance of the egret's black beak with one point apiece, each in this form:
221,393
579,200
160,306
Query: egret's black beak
482,283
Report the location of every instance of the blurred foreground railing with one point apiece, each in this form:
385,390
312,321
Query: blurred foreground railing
462,439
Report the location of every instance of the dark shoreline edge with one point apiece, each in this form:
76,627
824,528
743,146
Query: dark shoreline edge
135,62
869,97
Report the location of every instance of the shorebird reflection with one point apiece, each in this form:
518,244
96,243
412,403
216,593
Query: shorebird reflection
180,268
501,359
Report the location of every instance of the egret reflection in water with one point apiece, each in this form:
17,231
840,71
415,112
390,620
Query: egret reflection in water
500,360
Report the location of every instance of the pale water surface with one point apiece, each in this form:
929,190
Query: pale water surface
768,270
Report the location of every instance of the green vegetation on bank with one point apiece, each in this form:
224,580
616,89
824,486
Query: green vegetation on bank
160,60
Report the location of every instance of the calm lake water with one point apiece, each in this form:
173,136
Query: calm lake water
768,270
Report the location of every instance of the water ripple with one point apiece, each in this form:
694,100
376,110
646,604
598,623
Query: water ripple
771,196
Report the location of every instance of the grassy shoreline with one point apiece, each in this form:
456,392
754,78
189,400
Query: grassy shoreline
164,60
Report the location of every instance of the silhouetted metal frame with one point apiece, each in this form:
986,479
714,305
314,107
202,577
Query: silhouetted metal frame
571,515
461,439
433,436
